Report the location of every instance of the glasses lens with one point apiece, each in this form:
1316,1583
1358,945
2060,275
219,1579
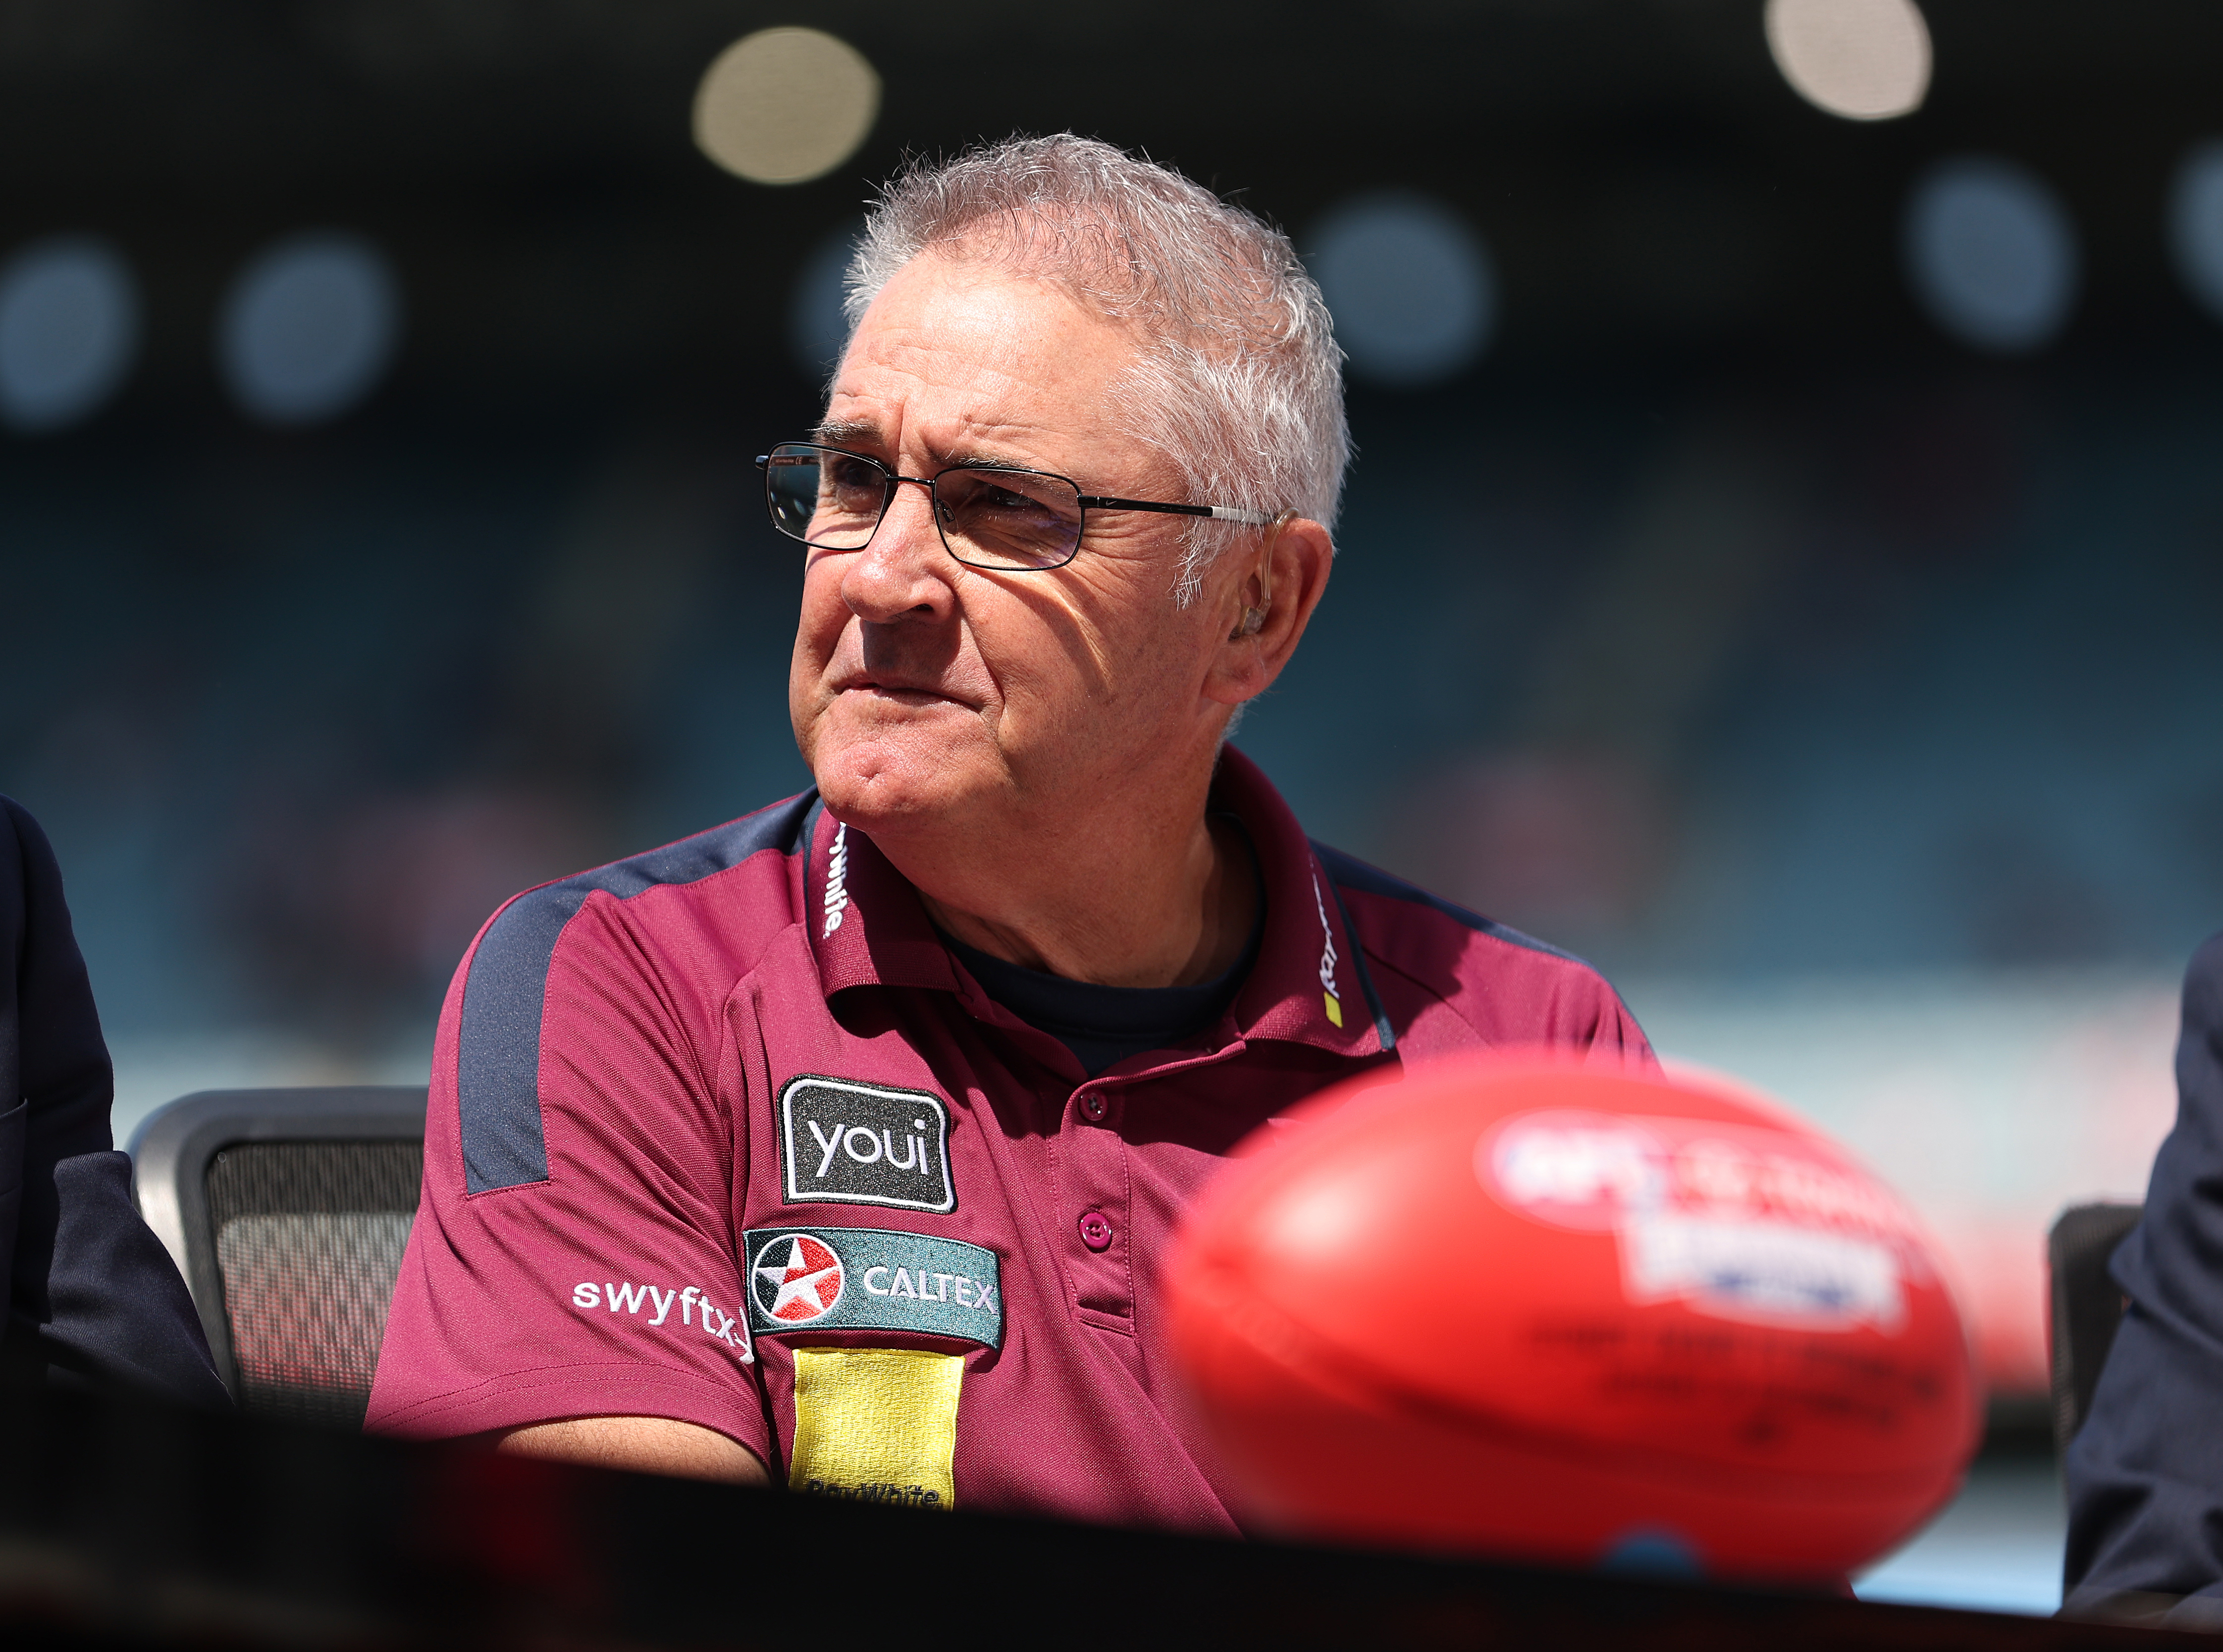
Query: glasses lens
1009,518
826,498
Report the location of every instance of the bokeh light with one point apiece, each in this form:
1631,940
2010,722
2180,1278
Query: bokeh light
308,328
1862,59
2195,223
1992,254
785,106
1410,284
69,329
817,331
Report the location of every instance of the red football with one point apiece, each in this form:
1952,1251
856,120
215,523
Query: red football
1532,1311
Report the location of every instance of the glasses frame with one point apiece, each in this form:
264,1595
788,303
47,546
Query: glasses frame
1087,502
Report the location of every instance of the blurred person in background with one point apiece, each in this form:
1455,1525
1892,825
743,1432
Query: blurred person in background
2145,1472
840,1146
93,1299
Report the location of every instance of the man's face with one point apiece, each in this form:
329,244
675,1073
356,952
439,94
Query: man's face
927,693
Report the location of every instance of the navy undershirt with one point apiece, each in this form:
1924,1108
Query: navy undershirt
1102,1026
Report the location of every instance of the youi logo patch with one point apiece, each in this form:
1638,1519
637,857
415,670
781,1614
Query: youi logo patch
847,1143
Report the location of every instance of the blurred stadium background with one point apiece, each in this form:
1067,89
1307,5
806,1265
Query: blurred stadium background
1781,565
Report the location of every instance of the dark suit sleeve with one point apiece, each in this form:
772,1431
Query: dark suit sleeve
92,1297
2145,1472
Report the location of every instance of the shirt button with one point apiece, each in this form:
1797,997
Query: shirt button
1096,1231
1093,1107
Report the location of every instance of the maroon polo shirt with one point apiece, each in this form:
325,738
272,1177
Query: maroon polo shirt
695,1109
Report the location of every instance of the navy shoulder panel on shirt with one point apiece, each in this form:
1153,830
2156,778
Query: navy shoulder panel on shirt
1352,874
498,1056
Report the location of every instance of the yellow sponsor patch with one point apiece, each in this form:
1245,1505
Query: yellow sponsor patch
1334,1009
875,1425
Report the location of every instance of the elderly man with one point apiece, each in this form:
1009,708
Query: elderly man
841,1145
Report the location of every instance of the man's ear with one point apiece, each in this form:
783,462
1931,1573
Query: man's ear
1262,613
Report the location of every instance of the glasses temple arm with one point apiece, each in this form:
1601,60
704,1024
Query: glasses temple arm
1216,513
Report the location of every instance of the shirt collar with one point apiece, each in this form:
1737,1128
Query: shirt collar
1309,985
868,927
865,921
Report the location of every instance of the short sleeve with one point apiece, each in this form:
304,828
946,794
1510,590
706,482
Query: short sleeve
1616,1042
574,1252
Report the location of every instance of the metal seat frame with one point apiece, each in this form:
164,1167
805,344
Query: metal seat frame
2085,1306
172,1151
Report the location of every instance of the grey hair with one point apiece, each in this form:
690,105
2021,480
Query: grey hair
1239,382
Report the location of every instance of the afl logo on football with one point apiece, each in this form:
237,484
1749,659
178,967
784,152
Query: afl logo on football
797,1278
1585,1170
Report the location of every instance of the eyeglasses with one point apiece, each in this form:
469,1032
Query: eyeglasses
995,517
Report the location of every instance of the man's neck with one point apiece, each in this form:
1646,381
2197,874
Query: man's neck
1169,905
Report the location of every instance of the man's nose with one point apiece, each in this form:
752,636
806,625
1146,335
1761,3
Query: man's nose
904,571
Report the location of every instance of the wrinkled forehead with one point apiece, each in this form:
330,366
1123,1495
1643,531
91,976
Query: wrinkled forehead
953,350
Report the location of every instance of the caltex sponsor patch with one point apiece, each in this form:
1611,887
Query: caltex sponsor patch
869,1279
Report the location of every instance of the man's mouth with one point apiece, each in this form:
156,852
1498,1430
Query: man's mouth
897,692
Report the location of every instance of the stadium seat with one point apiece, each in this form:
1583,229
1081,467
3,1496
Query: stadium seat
2087,1306
286,1211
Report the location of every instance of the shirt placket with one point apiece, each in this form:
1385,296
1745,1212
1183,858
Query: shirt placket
1097,1204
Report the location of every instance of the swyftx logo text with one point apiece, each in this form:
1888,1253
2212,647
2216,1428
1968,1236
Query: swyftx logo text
847,1143
652,1304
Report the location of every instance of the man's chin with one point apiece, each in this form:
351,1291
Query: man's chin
882,785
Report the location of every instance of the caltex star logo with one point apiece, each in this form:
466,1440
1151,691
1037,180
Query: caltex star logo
797,1278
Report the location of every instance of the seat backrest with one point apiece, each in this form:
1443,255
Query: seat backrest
287,1211
2086,1306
